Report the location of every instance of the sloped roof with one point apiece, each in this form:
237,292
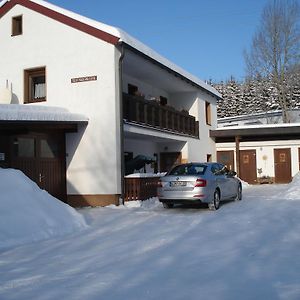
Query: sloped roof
100,30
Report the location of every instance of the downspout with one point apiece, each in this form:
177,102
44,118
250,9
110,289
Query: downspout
121,122
237,157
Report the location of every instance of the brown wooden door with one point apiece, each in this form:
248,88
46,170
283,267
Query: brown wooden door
226,158
282,162
41,157
248,166
299,157
168,160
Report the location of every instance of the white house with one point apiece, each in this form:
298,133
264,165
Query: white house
81,98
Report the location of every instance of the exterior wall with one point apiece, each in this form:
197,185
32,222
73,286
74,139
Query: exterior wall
208,145
187,101
145,88
69,53
265,154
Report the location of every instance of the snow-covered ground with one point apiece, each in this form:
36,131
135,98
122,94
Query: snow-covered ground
29,214
245,250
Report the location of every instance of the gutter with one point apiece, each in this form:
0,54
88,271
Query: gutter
121,121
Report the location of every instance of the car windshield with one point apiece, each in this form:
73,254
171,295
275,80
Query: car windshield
190,169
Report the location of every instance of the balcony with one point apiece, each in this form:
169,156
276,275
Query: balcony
150,113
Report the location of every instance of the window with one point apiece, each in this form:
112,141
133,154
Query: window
49,148
17,26
132,89
35,85
163,100
208,113
24,147
208,157
189,169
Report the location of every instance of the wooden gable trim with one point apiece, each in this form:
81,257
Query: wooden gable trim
60,18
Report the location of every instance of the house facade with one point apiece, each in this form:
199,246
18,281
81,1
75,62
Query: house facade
80,98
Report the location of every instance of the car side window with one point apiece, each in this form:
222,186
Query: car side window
223,169
215,169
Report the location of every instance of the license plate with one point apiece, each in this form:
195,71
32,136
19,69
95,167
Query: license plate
177,183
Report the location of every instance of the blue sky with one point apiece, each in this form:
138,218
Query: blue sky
206,38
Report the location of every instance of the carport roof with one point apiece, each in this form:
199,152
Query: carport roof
14,116
285,131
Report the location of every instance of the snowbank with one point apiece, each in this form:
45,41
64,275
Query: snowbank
147,204
245,184
293,191
29,214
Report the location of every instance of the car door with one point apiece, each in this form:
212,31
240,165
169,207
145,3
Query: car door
221,179
231,184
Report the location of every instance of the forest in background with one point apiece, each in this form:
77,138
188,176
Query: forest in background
255,95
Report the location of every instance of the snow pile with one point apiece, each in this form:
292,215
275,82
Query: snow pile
245,184
29,214
293,191
147,204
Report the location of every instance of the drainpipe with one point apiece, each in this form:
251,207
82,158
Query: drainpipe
237,151
121,122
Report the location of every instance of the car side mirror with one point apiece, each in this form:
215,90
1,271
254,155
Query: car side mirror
231,173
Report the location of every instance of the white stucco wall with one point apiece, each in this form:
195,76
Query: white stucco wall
207,144
93,158
146,89
265,154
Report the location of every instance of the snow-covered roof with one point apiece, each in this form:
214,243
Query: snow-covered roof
259,126
129,40
255,115
24,112
257,132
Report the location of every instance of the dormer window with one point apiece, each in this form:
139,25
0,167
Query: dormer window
17,26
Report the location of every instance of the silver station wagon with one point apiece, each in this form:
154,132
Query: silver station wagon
199,183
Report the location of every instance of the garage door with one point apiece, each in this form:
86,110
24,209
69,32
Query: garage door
41,157
282,162
248,166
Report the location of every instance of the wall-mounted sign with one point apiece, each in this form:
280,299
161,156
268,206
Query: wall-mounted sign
83,79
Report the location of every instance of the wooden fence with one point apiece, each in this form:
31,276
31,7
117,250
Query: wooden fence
140,188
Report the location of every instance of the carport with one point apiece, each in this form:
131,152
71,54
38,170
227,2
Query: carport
255,133
33,140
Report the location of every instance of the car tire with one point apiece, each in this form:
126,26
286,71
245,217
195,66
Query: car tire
215,204
239,194
168,205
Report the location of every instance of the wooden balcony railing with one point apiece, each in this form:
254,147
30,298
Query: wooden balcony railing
140,188
150,113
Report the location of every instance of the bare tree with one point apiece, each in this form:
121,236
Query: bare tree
276,47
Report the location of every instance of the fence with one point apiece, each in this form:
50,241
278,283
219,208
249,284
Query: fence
140,188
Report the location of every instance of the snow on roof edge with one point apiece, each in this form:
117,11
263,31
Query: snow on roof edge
258,114
258,126
130,40
3,2
22,112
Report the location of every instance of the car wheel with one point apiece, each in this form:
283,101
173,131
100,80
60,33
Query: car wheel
239,193
168,205
215,204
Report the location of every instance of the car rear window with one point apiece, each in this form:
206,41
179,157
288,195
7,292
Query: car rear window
188,170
